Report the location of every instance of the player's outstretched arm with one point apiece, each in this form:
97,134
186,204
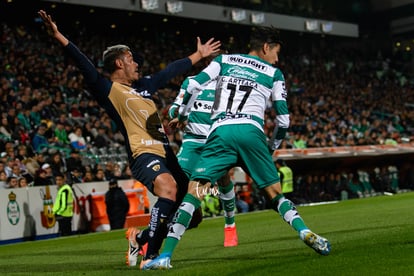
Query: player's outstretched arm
52,28
97,83
205,50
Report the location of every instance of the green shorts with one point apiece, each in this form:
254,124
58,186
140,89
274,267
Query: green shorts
189,155
241,145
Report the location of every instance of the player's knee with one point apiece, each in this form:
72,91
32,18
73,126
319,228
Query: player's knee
165,186
273,190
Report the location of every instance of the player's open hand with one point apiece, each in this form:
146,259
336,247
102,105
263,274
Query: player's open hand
210,47
51,26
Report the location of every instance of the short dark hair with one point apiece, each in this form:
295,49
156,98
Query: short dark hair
59,174
281,162
10,178
111,54
262,35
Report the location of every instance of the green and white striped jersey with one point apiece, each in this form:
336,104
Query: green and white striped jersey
199,119
244,85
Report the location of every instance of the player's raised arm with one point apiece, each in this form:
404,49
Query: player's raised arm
52,28
205,50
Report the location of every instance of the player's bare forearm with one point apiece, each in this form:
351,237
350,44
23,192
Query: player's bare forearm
52,28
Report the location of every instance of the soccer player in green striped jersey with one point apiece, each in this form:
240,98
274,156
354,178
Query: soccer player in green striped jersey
245,83
195,135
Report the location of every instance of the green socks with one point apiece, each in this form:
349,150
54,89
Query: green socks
228,201
180,223
288,212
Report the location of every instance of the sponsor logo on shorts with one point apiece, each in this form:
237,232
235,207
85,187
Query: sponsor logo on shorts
156,168
153,162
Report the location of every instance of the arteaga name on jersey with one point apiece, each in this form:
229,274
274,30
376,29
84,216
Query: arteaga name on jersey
257,65
237,81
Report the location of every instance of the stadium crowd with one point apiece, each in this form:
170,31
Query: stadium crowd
50,123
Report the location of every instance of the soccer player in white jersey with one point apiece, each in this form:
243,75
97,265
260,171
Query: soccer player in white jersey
195,135
236,138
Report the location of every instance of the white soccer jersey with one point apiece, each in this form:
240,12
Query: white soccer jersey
245,84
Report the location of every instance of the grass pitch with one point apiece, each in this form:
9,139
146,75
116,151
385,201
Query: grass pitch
368,236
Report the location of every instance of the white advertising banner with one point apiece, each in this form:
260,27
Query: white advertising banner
26,213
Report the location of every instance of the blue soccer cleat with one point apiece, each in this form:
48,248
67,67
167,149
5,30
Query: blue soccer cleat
159,263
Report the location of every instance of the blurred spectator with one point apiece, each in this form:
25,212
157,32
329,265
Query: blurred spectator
330,188
32,164
69,129
109,170
100,175
343,187
88,177
49,172
57,163
74,176
314,189
74,161
11,154
102,140
3,180
74,111
12,119
117,171
394,179
2,166
40,158
364,180
5,129
89,131
241,205
22,135
41,178
24,119
77,141
61,135
34,114
299,141
3,158
22,182
244,195
304,189
117,205
8,167
380,180
22,152
12,182
327,189
126,172
16,171
355,187
39,141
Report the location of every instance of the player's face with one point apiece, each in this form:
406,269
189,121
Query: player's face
272,53
130,67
